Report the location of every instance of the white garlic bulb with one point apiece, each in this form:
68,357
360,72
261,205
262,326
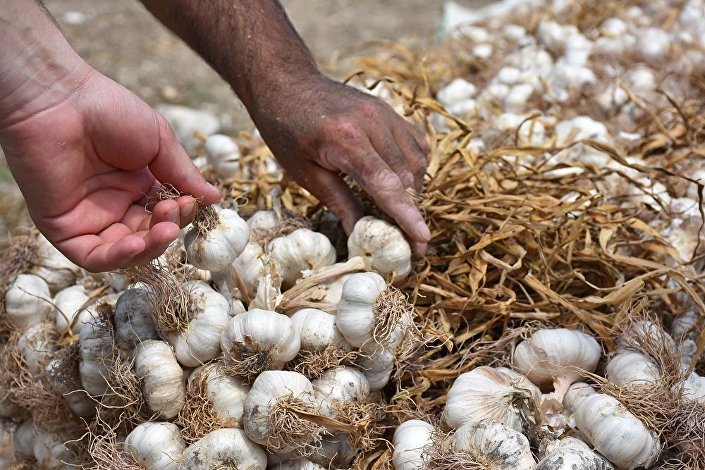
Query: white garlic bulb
51,452
257,340
608,426
553,357
317,330
377,364
162,378
52,266
411,440
631,368
498,394
199,342
36,346
27,300
249,266
298,464
260,222
369,312
503,447
224,448
214,244
382,245
222,155
71,309
23,440
96,352
694,388
571,454
338,386
299,251
226,394
642,331
271,397
156,445
63,377
133,318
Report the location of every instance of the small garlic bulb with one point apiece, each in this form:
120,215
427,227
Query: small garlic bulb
608,426
222,155
156,445
571,454
224,448
199,342
298,464
27,300
96,352
498,394
52,266
411,441
61,373
23,440
51,452
383,246
249,267
694,388
317,330
162,378
226,395
257,340
334,451
552,356
631,368
70,309
377,364
273,396
215,242
133,321
370,312
260,222
36,346
339,386
300,251
495,443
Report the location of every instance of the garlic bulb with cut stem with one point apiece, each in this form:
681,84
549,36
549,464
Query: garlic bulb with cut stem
52,266
216,238
51,452
499,394
622,438
224,448
222,155
382,245
556,357
411,440
258,340
156,445
273,410
570,453
71,309
297,464
96,351
199,341
27,300
161,376
492,443
133,320
317,330
631,368
339,386
36,346
371,312
299,251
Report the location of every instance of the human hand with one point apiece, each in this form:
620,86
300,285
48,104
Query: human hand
88,158
319,128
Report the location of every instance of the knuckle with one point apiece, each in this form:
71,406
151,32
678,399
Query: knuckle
343,129
386,182
368,109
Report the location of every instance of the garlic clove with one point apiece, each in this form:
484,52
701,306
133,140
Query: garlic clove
27,300
249,267
382,245
51,452
156,445
299,251
36,346
161,376
23,440
224,448
52,266
216,239
260,222
377,364
411,440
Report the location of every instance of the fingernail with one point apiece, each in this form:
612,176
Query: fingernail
190,209
422,232
214,190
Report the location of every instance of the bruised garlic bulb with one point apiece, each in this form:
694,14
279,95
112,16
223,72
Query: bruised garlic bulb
493,443
382,245
216,238
411,441
222,155
161,376
199,341
498,394
70,309
52,266
156,445
133,321
51,452
631,368
300,251
369,311
553,357
258,340
96,352
273,397
27,300
317,330
571,454
224,448
608,426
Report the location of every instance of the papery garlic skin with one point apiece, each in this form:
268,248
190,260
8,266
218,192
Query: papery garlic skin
224,448
52,266
498,394
631,368
340,385
199,342
96,351
221,245
249,266
377,364
317,330
162,378
51,453
411,439
260,222
70,387
383,246
36,346
571,454
133,318
694,388
27,300
222,155
355,316
70,309
23,440
552,355
299,251
298,464
334,451
156,445
506,448
227,394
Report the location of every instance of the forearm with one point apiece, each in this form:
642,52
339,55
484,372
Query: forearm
250,43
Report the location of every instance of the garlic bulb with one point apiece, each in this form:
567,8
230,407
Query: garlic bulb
27,300
156,445
23,440
257,340
161,376
199,342
608,426
334,290
96,351
52,266
299,251
642,332
273,396
298,464
411,441
490,441
334,451
216,240
370,312
249,267
36,346
498,394
382,245
70,309
222,155
51,452
133,321
694,388
377,364
571,454
631,368
224,448
317,330
226,395
7,451
339,386
260,222
61,374
552,357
